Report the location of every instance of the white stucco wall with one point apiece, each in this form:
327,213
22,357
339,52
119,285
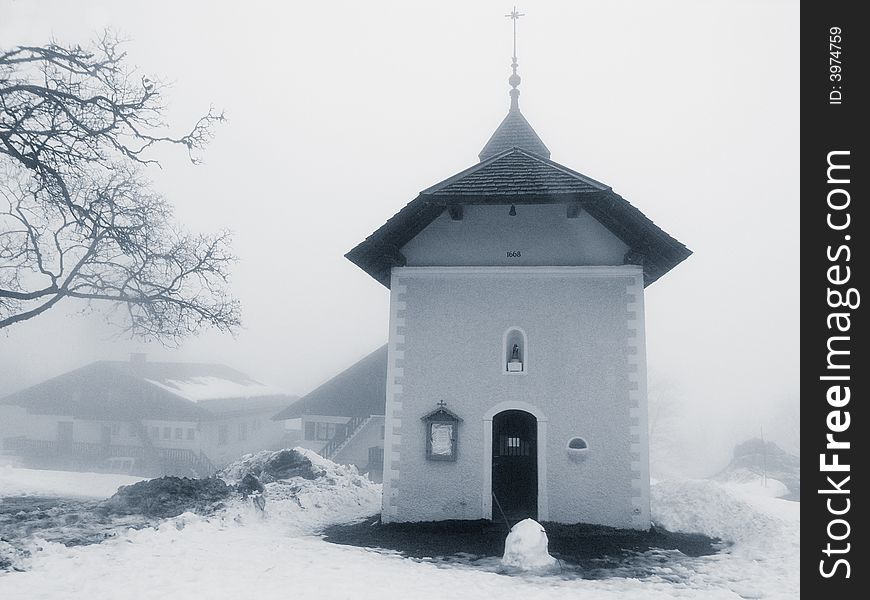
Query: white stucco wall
540,233
268,436
585,374
17,422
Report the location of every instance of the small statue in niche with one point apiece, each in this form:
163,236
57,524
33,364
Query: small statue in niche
515,364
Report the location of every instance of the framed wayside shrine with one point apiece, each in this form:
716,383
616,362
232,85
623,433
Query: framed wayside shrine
442,433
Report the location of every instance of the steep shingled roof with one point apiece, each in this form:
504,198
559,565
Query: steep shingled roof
515,172
358,391
514,132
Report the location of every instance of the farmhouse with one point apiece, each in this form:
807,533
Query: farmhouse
516,366
141,417
343,419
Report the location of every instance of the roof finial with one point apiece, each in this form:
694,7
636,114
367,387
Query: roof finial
514,79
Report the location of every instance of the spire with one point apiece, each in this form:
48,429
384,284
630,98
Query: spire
514,130
515,79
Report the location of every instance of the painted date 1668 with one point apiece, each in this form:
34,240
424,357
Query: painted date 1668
835,65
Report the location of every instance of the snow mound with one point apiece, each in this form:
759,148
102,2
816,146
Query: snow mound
747,483
306,491
526,547
703,506
270,465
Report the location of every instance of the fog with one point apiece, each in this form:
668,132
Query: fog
339,113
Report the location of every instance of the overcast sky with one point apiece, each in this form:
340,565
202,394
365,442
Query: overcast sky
341,112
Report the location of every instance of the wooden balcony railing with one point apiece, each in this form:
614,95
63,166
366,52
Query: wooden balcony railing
182,461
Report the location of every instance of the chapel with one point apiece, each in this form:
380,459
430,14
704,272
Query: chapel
516,361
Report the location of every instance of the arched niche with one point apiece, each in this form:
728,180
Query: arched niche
515,352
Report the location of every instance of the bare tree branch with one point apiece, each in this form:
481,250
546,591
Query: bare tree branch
77,217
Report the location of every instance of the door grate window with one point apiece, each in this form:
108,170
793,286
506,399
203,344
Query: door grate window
513,446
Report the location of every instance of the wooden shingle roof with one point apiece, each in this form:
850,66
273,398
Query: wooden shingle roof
515,172
519,176
514,132
358,391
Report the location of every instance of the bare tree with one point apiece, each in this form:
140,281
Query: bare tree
77,217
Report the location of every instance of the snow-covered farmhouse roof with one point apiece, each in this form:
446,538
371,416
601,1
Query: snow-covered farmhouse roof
358,391
139,389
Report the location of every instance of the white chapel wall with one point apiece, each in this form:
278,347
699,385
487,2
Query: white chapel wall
541,234
446,345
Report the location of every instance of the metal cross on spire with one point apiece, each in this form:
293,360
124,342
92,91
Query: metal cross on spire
514,79
514,16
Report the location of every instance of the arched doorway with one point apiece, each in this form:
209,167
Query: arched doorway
515,465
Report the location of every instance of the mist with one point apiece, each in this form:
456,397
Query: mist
340,113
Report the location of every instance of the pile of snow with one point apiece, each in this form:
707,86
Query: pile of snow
764,532
15,481
703,506
269,465
313,492
526,547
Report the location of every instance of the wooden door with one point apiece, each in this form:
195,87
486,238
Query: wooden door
515,465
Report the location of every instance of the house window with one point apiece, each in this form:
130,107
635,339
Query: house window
325,431
255,426
179,433
131,431
441,434
116,429
191,433
167,433
223,435
243,431
155,433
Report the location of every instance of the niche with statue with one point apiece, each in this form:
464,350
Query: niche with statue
515,351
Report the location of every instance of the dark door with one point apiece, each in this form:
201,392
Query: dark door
515,465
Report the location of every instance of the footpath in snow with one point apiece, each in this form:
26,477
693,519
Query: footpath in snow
243,552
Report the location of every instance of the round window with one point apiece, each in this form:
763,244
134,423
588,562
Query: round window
577,443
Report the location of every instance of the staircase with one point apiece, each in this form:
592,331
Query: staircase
338,443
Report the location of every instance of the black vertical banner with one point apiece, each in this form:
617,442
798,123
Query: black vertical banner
835,225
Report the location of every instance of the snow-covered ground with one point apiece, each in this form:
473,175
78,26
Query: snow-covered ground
69,484
243,553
